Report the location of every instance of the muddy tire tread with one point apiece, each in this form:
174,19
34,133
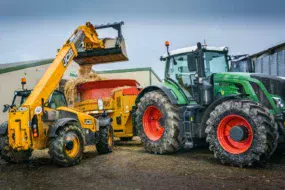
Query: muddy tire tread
56,147
265,133
170,142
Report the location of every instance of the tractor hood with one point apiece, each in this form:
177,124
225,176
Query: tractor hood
235,75
273,84
269,90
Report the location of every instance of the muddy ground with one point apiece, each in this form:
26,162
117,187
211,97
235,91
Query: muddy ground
129,167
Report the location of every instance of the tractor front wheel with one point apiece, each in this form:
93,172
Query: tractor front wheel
66,149
241,133
158,123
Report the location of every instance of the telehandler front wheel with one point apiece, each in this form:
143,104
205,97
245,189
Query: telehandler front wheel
66,149
158,123
242,133
106,142
12,156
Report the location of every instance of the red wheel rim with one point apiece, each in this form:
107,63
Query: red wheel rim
151,124
223,132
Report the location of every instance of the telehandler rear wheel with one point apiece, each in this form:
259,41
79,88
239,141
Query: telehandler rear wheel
242,133
158,123
12,156
106,142
67,147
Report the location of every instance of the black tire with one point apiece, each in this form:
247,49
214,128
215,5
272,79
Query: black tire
126,138
170,141
60,147
12,156
260,120
106,142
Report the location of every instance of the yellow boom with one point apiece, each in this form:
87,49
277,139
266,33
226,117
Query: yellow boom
54,73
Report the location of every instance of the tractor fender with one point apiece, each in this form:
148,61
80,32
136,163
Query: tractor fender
211,108
104,121
4,128
166,91
58,124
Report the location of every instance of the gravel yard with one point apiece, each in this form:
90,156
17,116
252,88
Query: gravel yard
129,167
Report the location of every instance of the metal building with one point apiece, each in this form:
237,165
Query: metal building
241,63
145,76
270,61
11,74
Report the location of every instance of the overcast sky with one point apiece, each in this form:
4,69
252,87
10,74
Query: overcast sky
34,29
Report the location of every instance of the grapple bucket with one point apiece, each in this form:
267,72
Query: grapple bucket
114,51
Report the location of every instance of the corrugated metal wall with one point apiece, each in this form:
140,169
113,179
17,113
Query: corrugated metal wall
281,63
273,64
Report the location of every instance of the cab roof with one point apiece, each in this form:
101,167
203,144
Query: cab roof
194,48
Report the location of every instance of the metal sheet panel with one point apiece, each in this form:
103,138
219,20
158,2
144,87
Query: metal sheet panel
265,65
273,64
281,63
258,66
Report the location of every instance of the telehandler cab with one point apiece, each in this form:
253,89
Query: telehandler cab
240,115
40,118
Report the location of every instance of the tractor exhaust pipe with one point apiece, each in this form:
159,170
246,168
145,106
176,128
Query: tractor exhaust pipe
200,60
205,88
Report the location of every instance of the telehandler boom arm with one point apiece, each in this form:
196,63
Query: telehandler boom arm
84,37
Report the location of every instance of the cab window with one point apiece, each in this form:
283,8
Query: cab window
57,100
182,70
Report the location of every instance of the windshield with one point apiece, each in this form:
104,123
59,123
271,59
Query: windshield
215,62
181,69
20,97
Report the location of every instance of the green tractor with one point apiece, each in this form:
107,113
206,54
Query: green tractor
239,115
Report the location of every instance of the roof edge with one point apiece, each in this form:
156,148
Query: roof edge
25,66
268,49
129,70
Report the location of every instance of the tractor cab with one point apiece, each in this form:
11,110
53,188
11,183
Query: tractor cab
187,67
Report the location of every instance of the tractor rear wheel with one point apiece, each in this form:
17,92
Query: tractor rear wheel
106,142
12,156
241,133
158,123
66,149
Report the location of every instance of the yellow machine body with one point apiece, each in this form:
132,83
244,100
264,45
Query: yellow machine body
118,96
35,108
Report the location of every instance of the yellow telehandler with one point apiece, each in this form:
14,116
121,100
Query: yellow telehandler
40,118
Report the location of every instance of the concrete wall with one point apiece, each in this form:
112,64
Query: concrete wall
154,79
11,81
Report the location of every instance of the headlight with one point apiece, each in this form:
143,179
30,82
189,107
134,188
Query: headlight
100,104
278,102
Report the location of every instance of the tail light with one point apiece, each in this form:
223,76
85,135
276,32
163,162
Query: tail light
35,128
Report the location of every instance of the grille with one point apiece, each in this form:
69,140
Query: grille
261,96
274,85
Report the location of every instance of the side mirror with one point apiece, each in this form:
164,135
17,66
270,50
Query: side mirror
162,59
6,108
